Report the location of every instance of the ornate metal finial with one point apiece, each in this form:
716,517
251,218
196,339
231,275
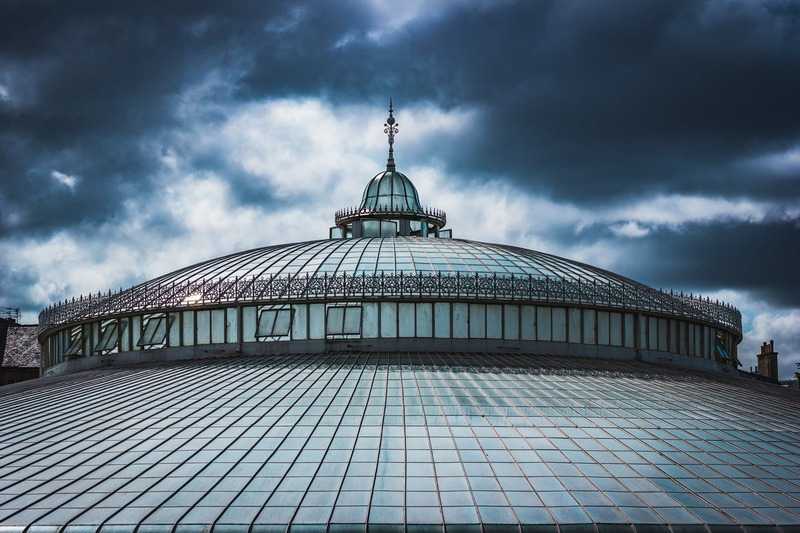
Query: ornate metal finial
390,128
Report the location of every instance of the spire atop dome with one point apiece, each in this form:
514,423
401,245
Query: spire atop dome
390,205
390,128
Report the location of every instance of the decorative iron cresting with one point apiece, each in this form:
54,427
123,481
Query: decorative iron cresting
349,214
160,296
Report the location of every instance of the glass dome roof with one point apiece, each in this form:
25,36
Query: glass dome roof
392,255
391,191
372,441
322,268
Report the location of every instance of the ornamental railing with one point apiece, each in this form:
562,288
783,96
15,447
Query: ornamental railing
348,214
159,296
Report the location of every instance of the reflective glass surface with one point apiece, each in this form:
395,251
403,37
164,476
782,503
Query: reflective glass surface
391,191
346,440
392,255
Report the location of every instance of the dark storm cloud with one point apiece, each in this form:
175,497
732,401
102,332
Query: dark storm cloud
760,258
14,291
588,101
92,86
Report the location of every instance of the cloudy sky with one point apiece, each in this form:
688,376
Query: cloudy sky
657,139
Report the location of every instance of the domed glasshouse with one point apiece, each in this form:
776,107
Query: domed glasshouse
394,378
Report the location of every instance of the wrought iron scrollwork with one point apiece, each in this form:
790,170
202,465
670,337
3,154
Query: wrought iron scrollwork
155,296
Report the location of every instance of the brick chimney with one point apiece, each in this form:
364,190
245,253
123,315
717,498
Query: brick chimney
768,360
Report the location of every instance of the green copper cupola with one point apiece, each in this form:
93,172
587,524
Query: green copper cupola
390,204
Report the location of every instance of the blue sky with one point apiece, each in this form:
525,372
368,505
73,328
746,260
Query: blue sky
656,139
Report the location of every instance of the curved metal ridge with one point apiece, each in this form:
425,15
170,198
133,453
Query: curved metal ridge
348,214
160,296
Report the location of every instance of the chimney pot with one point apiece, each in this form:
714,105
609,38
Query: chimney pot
768,360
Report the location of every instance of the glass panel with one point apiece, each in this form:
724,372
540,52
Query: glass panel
370,228
559,324
629,331
588,327
388,228
299,322
511,322
442,320
494,321
316,321
335,321
424,320
683,338
574,325
388,319
602,328
642,325
662,334
154,331
64,340
528,322
352,320
673,336
477,321
174,329
249,324
460,323
218,326
86,346
50,351
283,323
722,350
266,322
95,328
203,327
369,325
125,343
75,346
652,333
67,340
544,331
615,324
698,340
136,332
406,320
108,337
150,328
232,324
